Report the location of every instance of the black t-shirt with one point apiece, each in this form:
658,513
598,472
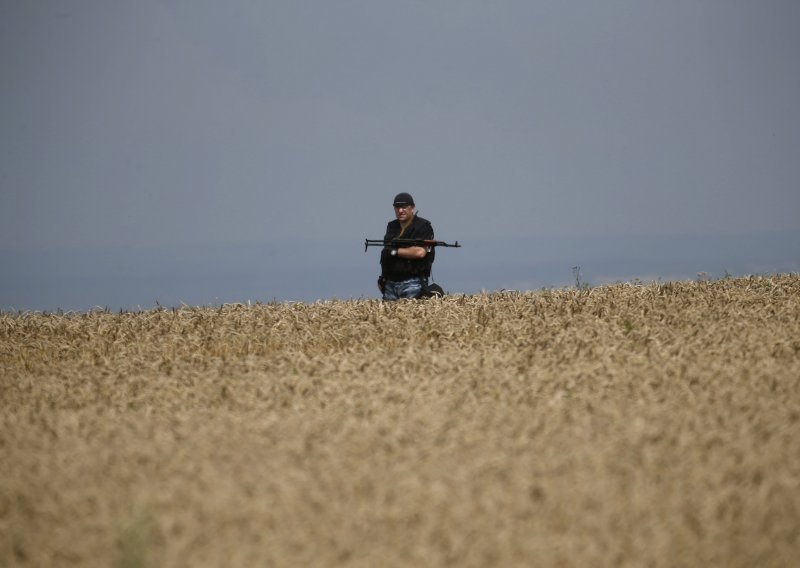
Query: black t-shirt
396,268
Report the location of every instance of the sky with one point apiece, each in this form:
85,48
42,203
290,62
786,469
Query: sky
196,152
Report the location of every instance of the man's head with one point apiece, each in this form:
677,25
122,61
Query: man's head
403,207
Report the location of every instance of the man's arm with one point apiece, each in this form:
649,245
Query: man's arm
412,252
425,232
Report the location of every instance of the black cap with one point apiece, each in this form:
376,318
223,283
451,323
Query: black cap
403,199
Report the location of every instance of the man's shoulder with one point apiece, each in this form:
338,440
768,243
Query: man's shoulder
421,221
422,228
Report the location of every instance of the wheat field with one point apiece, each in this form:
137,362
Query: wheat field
624,425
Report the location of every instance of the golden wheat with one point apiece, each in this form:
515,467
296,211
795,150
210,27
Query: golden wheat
621,425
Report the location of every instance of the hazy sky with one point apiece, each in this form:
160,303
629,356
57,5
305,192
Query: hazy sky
155,130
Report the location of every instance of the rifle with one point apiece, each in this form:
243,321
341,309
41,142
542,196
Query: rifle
407,242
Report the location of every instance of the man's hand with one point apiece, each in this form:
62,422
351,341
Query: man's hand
381,284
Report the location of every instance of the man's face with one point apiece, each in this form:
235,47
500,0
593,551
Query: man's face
403,212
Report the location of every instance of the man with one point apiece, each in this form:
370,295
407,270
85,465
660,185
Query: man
405,269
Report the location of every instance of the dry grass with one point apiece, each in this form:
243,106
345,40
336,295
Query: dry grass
624,425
